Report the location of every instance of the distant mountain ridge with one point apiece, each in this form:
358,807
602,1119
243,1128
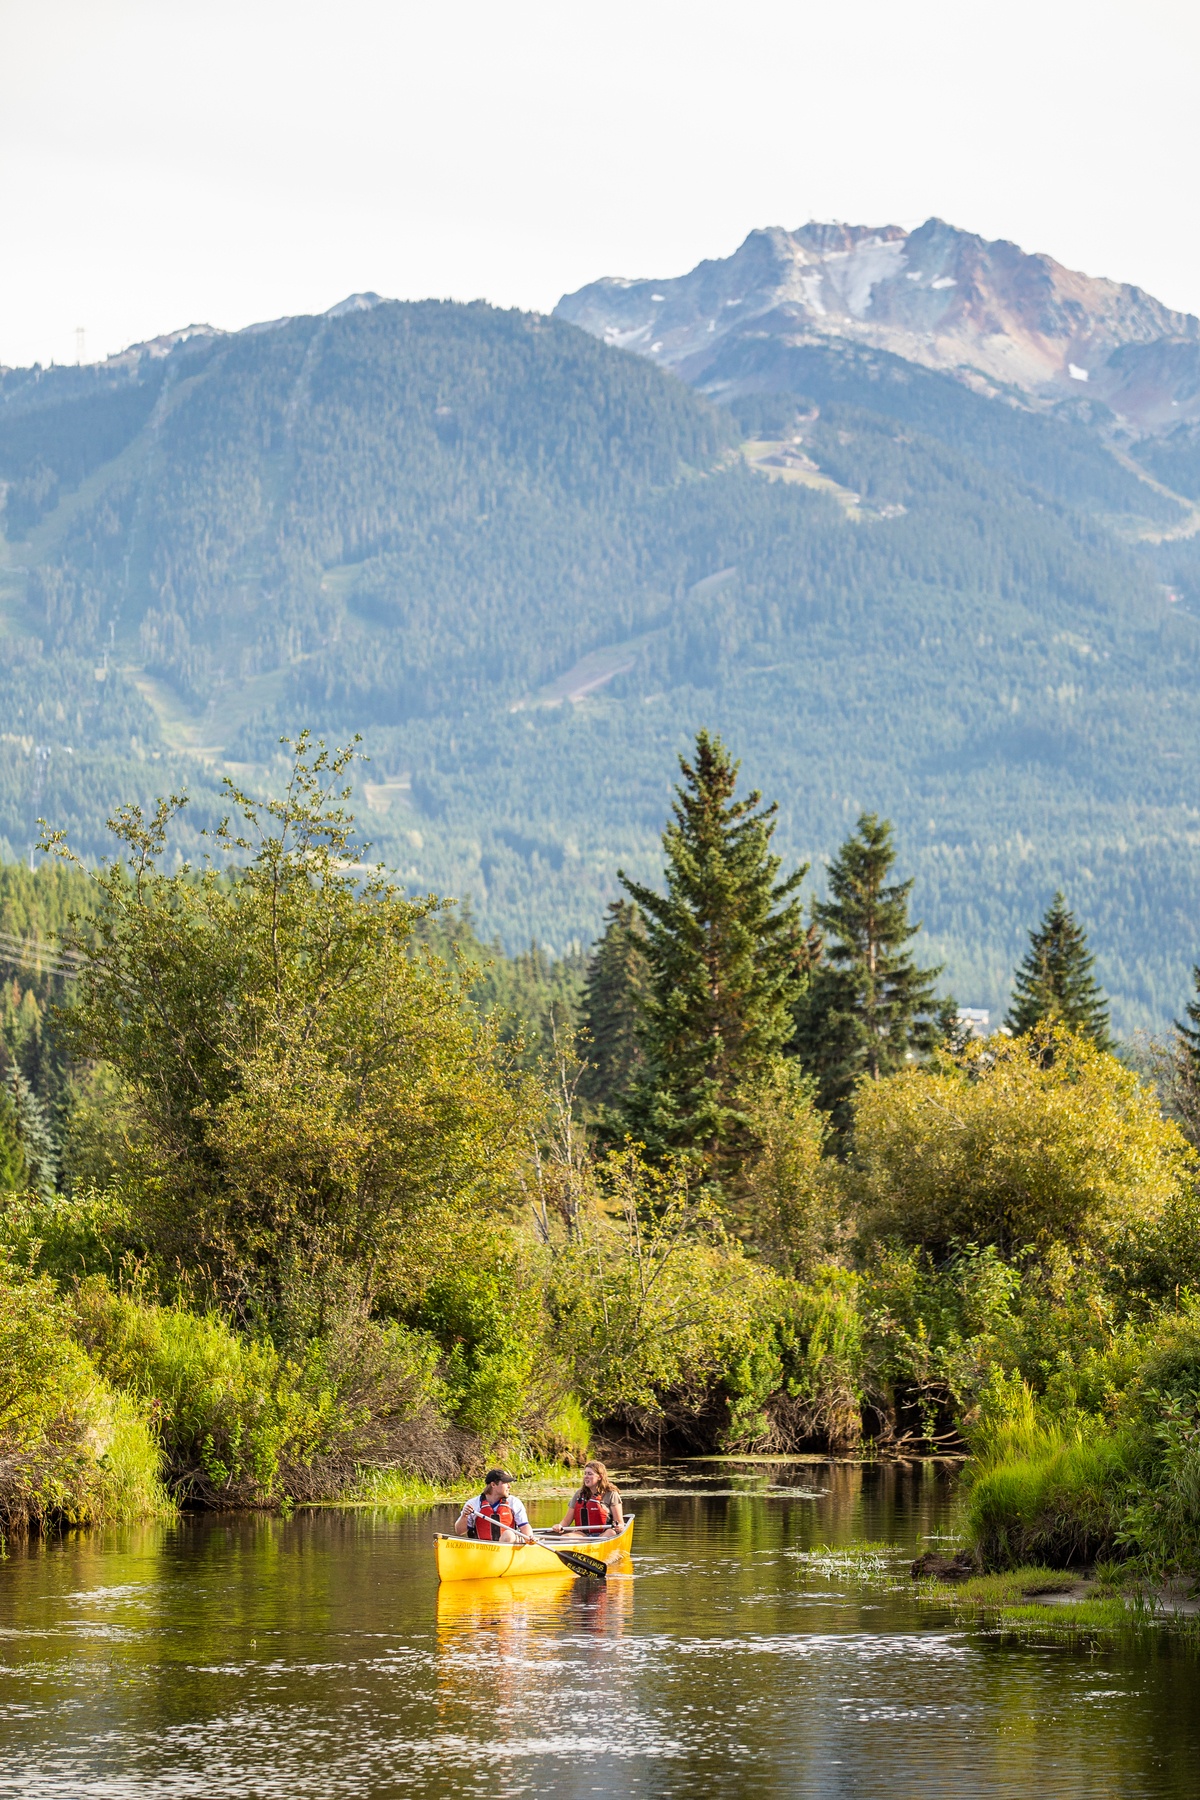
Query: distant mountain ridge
943,298
151,350
527,565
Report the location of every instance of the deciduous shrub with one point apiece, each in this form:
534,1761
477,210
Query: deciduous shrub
821,1333
654,1305
1104,1460
301,1078
243,1425
71,1449
1018,1142
1161,1521
485,1312
786,1201
66,1236
1156,1260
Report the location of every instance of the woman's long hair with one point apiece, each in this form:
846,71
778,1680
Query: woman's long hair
603,1486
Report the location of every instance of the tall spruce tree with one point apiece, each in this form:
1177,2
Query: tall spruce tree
1188,1036
727,959
36,1134
1055,983
14,1169
868,1006
614,994
1177,1068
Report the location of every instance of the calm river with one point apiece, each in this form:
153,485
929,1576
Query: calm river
316,1657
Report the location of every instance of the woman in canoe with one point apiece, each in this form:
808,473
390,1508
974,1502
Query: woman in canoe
594,1511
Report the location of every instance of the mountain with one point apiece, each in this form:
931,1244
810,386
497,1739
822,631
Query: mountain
1005,321
527,565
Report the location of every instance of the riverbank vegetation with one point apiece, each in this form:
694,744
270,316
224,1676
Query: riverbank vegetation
307,1198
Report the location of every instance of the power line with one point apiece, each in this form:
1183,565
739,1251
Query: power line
35,958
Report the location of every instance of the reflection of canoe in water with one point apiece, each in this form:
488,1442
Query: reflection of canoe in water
464,1559
471,1602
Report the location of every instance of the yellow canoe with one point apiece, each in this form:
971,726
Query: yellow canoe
465,1559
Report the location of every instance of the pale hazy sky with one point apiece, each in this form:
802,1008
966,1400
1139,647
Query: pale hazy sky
163,163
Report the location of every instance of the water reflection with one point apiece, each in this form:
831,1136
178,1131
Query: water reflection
742,1651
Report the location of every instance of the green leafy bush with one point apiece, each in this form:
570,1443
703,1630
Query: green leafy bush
787,1199
821,1333
71,1449
931,1334
1156,1260
654,1306
1019,1142
1103,1461
67,1236
487,1318
302,1080
1161,1521
243,1425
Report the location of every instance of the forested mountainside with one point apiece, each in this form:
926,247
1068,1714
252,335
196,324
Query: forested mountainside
527,566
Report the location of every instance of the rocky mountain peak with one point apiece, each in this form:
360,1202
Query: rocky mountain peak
984,310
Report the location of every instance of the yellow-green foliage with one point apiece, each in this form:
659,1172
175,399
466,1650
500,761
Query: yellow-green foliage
304,1079
786,1199
226,1406
65,1236
1161,1525
567,1430
103,1118
927,1323
1157,1260
1104,1459
1018,1142
483,1304
71,1449
653,1303
241,1424
821,1330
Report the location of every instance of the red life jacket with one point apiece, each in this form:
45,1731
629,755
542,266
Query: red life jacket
590,1515
490,1518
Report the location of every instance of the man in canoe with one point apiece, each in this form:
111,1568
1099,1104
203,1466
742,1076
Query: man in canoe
495,1516
594,1510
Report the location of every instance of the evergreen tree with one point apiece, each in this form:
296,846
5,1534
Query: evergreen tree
868,1006
14,1172
1177,1067
1188,1036
1055,983
39,1153
727,957
614,996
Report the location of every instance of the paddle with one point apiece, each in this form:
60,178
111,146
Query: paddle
580,1564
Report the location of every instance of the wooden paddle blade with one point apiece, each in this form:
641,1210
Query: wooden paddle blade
583,1565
